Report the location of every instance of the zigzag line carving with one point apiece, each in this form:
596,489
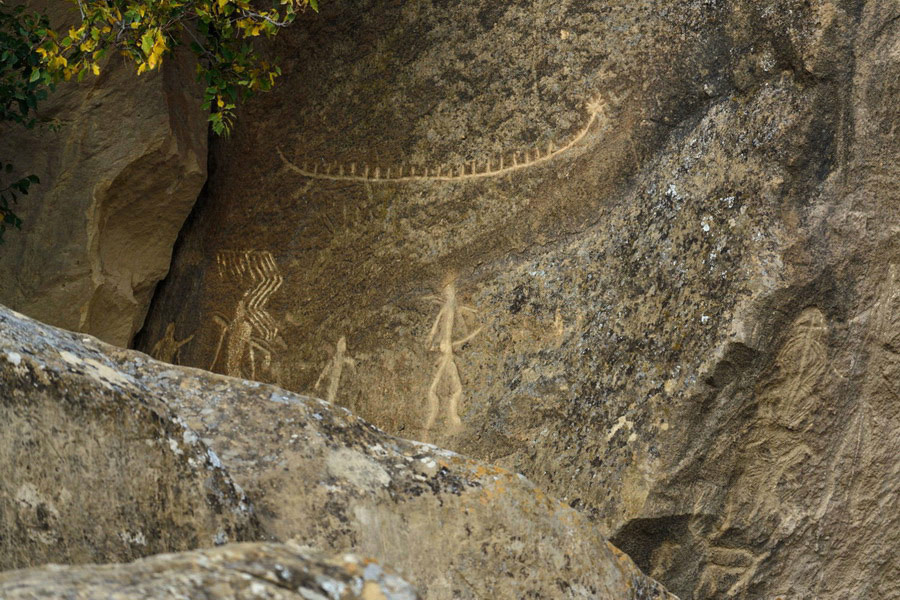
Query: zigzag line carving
493,167
260,269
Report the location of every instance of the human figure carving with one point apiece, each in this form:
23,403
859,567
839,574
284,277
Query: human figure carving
441,338
787,411
775,456
167,348
334,368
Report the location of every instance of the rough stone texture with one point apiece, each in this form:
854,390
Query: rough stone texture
93,467
686,307
233,572
319,476
118,178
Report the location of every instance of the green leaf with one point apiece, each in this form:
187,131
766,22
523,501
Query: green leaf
147,43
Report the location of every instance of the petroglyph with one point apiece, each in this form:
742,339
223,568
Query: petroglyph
334,368
598,110
802,362
258,269
250,336
728,570
167,348
441,339
780,456
886,318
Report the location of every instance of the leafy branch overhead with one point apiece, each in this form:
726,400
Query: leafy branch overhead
220,32
34,57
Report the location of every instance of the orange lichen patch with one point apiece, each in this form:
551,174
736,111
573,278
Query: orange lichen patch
492,491
483,470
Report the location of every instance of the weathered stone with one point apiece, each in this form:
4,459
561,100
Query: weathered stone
316,475
681,267
119,175
92,467
233,572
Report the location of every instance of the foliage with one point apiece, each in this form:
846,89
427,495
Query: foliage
220,32
20,92
9,195
34,57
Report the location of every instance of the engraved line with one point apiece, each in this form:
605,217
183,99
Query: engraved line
595,107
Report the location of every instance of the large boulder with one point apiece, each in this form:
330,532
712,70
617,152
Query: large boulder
95,469
314,474
644,252
233,572
120,171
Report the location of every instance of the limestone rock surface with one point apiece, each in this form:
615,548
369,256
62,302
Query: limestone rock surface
233,572
645,252
119,174
313,474
92,467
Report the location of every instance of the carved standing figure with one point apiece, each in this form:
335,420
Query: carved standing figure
167,348
334,368
441,338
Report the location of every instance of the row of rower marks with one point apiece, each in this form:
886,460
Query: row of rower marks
492,167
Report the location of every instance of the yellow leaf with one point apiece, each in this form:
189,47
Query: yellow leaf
95,68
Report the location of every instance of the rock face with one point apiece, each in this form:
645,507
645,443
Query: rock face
645,252
234,572
118,178
314,474
92,467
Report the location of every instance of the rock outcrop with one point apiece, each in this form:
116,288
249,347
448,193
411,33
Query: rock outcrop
313,474
233,572
119,174
645,252
94,469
